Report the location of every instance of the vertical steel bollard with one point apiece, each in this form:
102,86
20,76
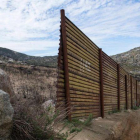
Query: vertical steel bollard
126,91
118,83
66,72
101,84
131,93
136,94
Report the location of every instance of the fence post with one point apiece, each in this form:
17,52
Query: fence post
101,84
118,84
126,91
138,97
136,93
65,57
131,92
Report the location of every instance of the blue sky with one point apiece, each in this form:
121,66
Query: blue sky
32,26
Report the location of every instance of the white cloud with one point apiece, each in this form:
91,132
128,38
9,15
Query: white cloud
30,25
25,46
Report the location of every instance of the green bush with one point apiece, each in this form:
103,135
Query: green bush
135,107
113,111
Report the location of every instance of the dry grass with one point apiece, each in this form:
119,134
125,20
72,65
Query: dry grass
28,82
32,122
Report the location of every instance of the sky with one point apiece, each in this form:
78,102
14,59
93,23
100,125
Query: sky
32,26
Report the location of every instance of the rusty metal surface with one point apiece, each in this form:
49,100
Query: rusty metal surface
89,81
136,93
122,89
126,92
65,62
131,93
101,83
118,84
110,84
84,81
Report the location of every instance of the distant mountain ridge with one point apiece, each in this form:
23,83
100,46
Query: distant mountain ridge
130,61
10,56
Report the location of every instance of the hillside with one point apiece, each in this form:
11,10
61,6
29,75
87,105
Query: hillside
9,56
28,81
130,61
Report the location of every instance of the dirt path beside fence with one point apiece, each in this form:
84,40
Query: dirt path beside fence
119,126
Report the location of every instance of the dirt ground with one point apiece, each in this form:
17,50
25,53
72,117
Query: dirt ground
119,126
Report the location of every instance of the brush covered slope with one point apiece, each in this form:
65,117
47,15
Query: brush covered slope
10,56
130,61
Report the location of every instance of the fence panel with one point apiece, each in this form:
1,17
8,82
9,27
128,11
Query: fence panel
61,96
138,94
110,89
129,91
122,89
83,68
134,92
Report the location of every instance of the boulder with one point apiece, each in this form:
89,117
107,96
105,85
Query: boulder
48,103
49,107
6,116
5,83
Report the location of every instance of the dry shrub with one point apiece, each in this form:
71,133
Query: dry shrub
32,122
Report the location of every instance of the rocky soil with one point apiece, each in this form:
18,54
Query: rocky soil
118,126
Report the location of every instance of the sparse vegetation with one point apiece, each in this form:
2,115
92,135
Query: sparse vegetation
32,122
114,111
135,107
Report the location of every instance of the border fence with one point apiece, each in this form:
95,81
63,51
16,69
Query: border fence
89,81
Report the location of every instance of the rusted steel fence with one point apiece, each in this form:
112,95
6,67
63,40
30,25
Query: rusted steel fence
89,81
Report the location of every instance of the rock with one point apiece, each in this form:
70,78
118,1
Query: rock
129,110
49,107
99,118
47,104
6,115
82,120
5,83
